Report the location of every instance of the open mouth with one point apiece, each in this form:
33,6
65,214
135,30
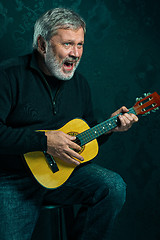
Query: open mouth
68,66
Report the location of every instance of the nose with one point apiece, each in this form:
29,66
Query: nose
75,52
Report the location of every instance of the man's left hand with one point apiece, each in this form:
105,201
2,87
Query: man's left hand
126,119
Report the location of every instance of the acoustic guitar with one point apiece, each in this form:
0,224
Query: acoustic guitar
53,172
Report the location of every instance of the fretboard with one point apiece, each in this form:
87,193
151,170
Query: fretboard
100,129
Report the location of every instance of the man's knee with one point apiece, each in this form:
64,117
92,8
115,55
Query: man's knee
117,190
112,188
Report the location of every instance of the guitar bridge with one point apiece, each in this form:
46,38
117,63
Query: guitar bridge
51,162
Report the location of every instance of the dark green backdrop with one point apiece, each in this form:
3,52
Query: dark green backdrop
121,62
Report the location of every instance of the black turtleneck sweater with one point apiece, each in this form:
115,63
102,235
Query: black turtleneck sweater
30,102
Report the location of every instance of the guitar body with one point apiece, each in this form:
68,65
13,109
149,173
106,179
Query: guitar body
42,171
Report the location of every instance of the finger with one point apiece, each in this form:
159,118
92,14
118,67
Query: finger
134,117
124,109
72,138
120,110
123,120
68,159
74,154
131,117
128,117
75,146
72,144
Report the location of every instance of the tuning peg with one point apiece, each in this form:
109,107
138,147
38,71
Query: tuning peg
154,110
145,114
146,94
138,99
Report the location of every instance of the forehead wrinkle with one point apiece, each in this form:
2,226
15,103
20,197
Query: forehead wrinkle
68,35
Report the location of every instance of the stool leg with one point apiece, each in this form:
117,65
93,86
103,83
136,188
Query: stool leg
60,229
69,220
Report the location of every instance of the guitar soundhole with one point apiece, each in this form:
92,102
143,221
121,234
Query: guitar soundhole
77,141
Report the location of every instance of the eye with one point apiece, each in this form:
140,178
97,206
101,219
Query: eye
80,45
67,45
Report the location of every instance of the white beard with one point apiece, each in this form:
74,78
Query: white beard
55,67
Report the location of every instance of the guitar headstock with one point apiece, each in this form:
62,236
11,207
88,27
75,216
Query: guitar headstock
150,102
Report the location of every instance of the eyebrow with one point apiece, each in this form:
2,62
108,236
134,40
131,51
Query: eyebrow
68,40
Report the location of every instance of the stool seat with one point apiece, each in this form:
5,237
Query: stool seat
49,206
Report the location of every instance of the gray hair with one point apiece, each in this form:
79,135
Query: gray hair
54,19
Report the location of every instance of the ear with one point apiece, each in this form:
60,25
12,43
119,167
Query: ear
41,44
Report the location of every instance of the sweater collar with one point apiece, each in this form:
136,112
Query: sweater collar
33,63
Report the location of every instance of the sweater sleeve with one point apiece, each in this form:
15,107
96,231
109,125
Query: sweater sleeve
15,140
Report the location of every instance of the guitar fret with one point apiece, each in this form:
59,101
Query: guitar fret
96,131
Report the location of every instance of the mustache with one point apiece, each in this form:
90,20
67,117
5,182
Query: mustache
71,59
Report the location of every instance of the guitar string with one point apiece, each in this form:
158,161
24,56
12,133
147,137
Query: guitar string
98,130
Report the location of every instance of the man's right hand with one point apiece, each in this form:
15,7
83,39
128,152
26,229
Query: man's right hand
61,145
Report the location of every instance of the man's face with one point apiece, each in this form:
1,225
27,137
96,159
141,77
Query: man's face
64,52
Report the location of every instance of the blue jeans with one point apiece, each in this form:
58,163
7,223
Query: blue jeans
101,193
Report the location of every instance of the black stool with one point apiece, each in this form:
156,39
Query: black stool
55,222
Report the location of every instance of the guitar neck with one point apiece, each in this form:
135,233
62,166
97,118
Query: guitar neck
100,129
